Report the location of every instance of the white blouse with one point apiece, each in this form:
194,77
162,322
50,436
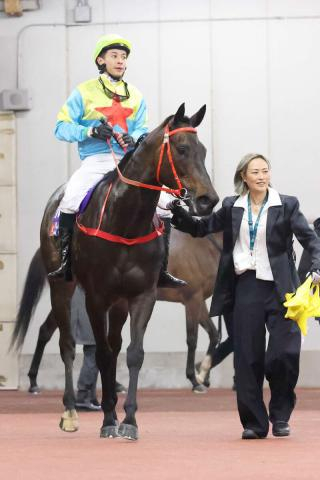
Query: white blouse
259,259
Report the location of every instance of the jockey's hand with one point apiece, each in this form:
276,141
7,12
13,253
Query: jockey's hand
315,274
125,140
102,132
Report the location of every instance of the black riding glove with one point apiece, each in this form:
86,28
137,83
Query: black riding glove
182,220
128,140
102,132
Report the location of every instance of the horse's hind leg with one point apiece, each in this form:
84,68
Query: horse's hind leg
194,310
216,354
46,331
140,312
61,293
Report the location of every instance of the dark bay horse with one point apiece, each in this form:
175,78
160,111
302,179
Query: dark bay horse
118,277
193,259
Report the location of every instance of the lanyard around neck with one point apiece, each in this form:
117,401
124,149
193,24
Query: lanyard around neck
254,228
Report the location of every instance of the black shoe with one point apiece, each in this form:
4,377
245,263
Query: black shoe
92,406
166,280
280,429
120,388
249,434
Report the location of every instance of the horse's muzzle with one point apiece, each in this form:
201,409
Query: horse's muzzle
205,204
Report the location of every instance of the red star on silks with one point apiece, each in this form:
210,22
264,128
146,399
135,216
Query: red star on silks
116,114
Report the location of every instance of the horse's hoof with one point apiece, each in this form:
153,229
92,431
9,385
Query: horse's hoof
109,431
128,431
69,421
199,389
203,378
120,388
34,390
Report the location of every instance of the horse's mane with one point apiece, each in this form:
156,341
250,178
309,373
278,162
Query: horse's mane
113,175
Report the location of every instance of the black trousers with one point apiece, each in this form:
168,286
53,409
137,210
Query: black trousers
258,307
87,381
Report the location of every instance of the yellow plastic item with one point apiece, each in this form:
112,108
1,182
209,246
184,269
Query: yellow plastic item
303,304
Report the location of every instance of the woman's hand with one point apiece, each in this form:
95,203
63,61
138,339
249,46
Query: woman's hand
315,274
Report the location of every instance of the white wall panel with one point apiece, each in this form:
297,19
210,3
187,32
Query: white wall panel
42,163
295,110
185,74
8,55
238,9
131,11
8,219
42,160
8,286
9,373
184,10
240,123
7,149
293,7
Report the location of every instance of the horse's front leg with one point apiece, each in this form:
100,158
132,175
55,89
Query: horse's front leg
96,310
140,312
61,293
117,316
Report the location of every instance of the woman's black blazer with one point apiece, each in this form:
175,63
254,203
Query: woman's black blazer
282,222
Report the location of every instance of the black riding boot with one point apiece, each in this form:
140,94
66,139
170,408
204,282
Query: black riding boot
166,280
66,223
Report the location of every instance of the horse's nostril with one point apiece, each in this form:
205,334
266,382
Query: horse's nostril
205,204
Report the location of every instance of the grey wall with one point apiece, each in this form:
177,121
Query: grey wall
253,62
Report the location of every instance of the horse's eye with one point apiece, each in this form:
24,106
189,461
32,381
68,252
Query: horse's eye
182,149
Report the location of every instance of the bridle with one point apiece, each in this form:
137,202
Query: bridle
179,192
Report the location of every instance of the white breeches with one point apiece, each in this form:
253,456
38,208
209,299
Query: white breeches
91,171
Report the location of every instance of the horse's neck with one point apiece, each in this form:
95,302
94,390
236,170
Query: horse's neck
131,209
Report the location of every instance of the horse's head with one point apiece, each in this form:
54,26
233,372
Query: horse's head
186,168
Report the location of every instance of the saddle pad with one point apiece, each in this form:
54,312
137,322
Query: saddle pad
54,229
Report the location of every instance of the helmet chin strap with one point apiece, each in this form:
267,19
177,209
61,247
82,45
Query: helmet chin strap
111,77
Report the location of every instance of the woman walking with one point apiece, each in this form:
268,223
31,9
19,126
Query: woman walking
256,271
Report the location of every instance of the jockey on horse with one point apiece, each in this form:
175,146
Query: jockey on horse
102,115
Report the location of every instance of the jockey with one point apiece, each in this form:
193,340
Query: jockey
93,112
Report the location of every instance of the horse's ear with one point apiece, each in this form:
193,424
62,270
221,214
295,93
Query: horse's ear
197,118
179,114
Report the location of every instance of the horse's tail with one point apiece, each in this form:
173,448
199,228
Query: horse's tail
34,283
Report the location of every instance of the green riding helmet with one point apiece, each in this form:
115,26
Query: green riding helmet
111,40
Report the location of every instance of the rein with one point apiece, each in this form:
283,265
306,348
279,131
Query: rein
166,142
158,231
